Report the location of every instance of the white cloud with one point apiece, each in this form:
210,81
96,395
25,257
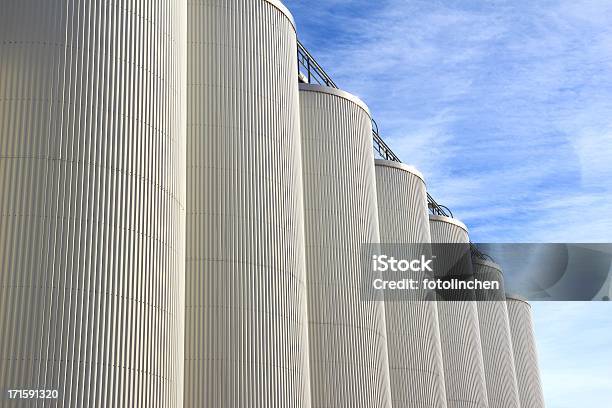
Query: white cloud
505,107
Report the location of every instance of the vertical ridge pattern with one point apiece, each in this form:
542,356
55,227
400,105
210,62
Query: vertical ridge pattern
413,335
464,376
525,353
348,352
92,195
246,335
500,374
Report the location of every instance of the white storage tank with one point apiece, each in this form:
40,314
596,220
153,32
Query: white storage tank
464,376
92,201
525,353
413,335
500,374
246,335
348,345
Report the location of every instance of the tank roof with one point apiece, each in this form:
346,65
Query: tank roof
336,92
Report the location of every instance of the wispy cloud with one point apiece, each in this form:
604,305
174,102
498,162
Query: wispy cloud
505,106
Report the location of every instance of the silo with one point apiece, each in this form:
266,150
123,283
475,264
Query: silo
348,349
413,335
92,199
525,353
459,330
500,374
246,327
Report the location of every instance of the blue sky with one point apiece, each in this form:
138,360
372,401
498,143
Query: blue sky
506,107
574,345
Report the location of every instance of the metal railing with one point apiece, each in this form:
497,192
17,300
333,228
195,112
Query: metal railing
476,253
311,72
314,73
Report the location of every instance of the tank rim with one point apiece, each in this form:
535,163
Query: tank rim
283,9
400,166
336,92
443,218
518,298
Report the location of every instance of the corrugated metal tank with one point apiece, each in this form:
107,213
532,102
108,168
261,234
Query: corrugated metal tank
464,376
246,335
413,335
348,349
525,353
92,196
502,389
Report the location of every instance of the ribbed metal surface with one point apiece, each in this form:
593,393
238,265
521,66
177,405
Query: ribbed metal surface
246,335
525,353
502,389
92,195
413,335
348,351
464,376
